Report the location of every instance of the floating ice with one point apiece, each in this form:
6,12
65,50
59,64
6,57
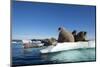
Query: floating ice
68,46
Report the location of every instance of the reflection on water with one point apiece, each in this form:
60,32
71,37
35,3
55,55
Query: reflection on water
32,56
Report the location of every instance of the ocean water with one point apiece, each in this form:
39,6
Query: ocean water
32,56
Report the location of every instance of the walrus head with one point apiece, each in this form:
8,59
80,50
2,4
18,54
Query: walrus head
82,33
74,32
81,36
60,28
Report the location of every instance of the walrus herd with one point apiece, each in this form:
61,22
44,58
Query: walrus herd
51,41
67,36
81,36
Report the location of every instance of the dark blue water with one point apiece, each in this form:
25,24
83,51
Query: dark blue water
32,56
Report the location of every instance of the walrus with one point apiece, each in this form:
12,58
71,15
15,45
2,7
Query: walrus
51,41
45,41
65,35
81,36
74,34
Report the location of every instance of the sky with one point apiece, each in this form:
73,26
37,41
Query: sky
34,20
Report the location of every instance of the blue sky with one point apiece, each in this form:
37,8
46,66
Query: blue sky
41,20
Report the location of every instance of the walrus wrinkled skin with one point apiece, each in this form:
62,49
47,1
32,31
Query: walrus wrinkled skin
65,36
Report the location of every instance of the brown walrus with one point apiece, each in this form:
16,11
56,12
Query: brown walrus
81,36
51,41
74,34
65,35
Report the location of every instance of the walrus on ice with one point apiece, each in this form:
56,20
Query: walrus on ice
51,41
65,35
81,36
